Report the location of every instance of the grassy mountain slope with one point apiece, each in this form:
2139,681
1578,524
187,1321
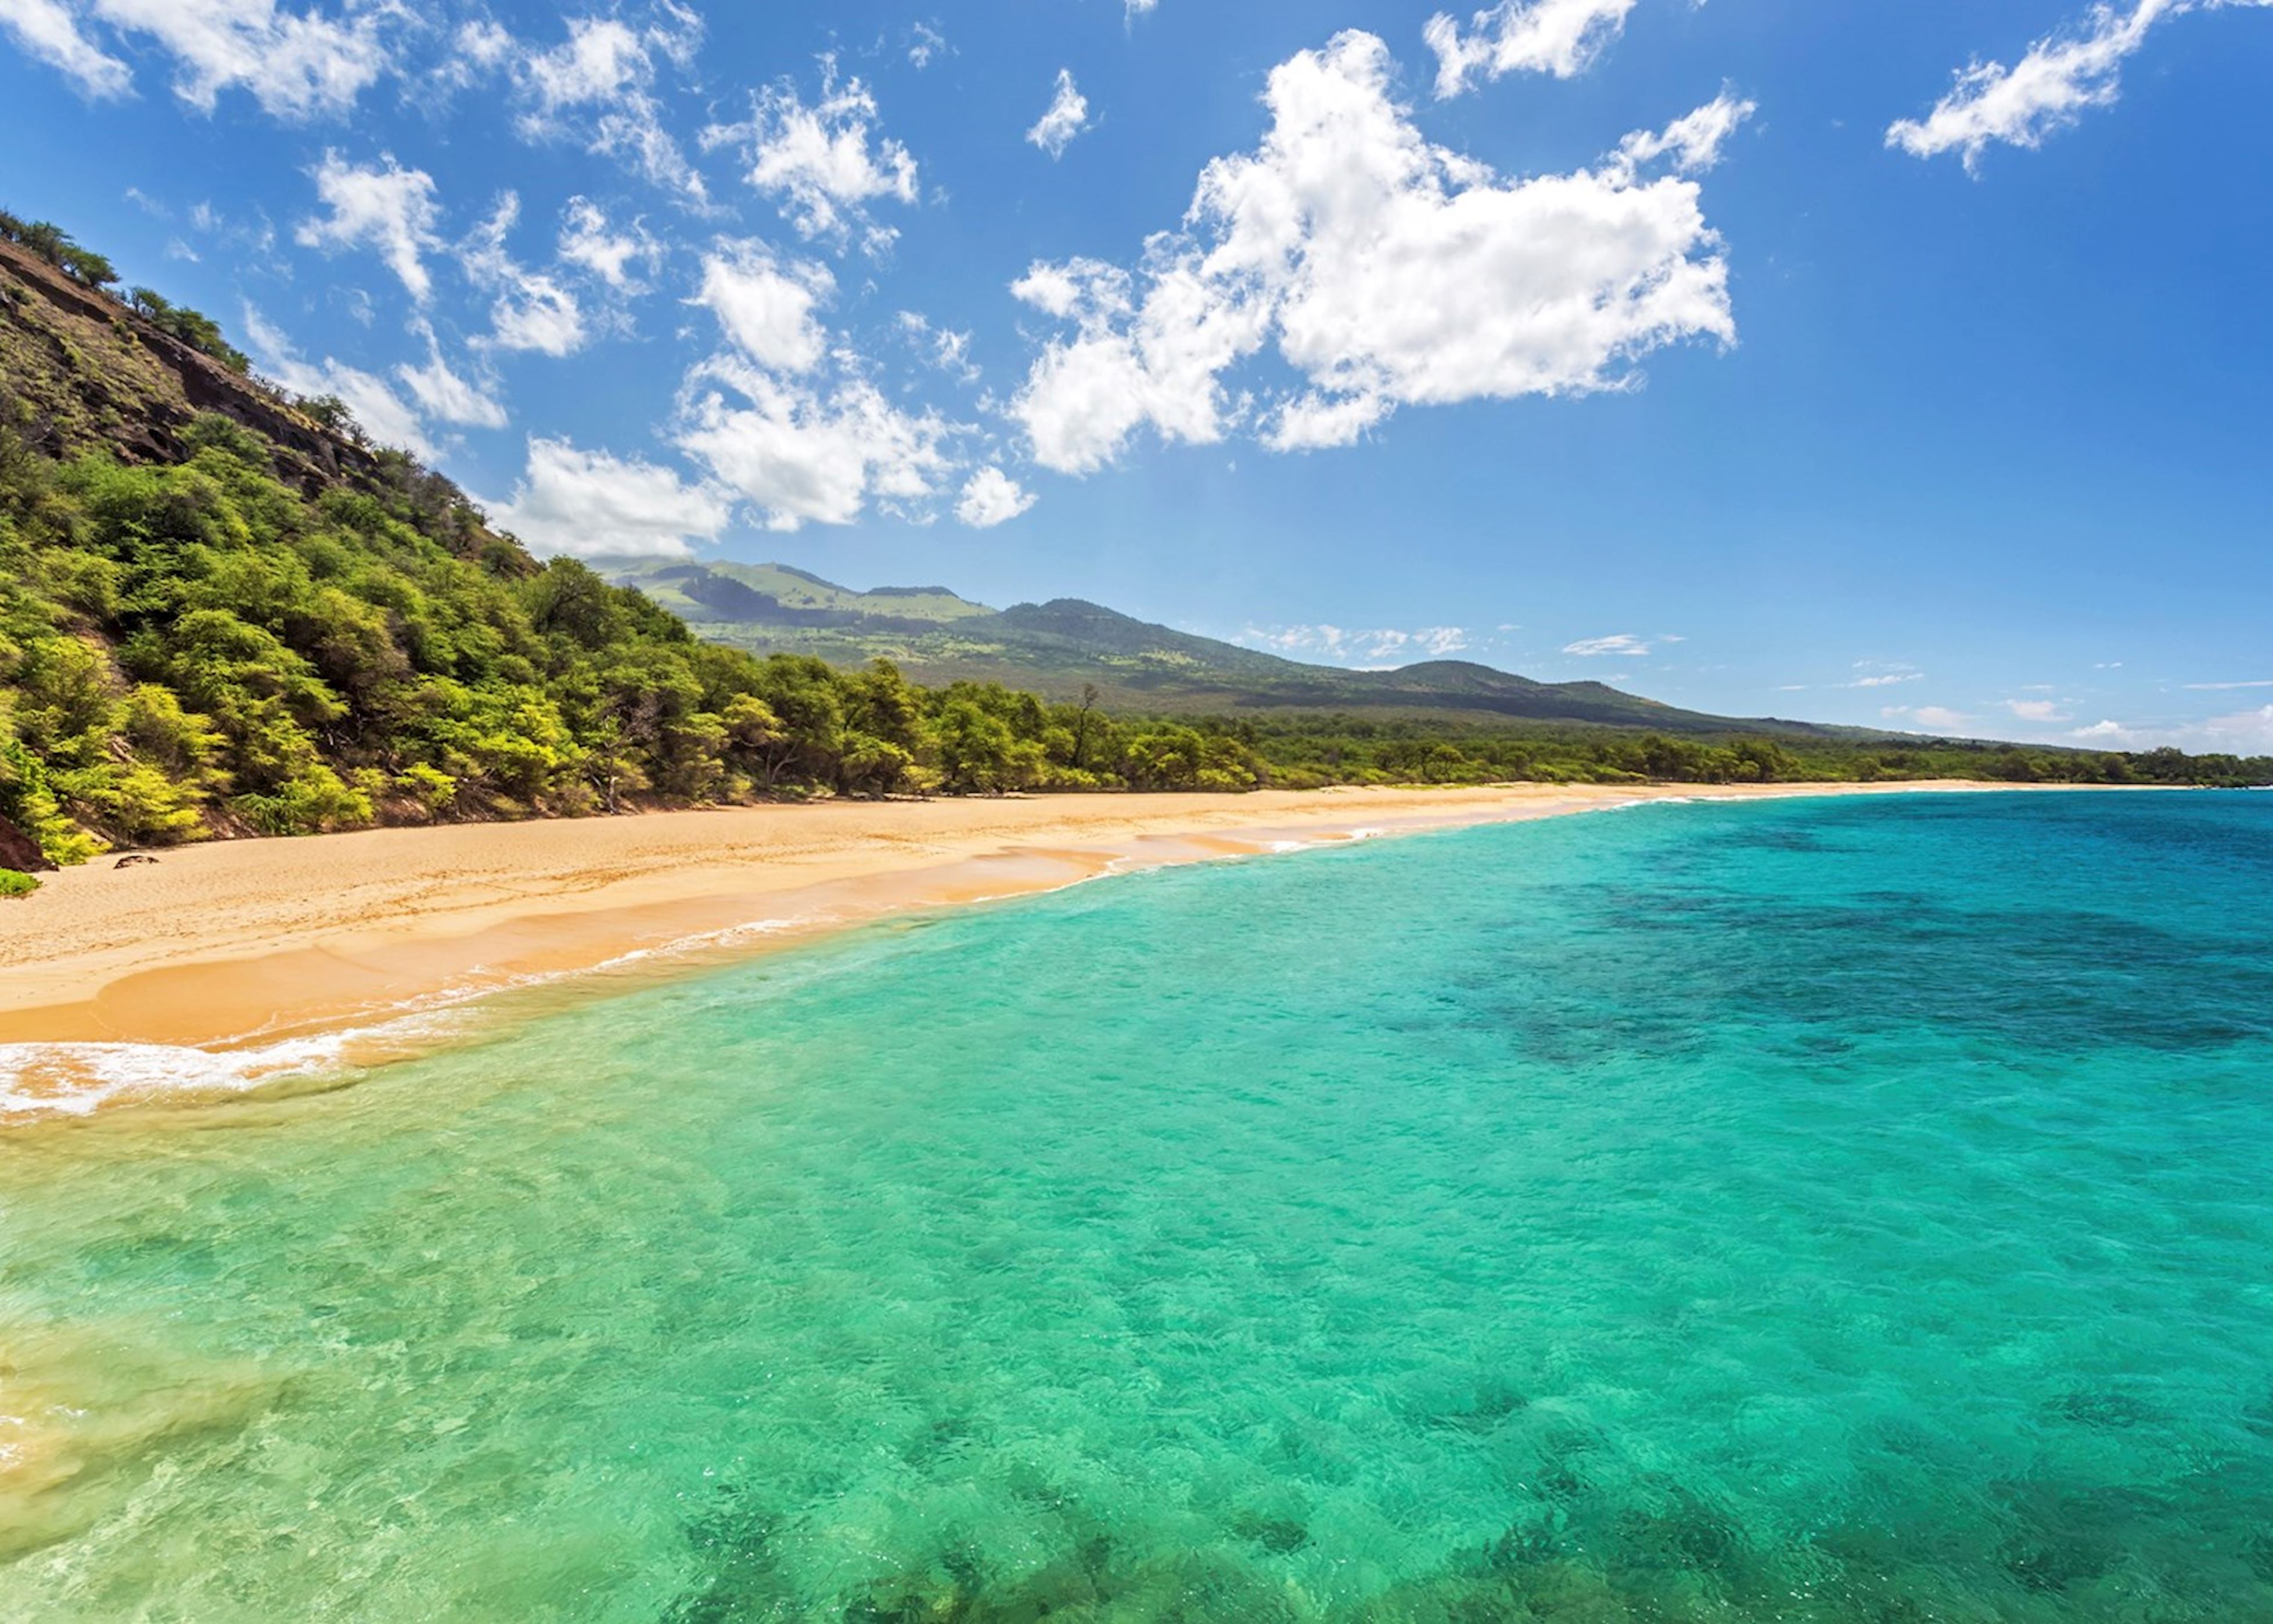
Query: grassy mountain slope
1060,648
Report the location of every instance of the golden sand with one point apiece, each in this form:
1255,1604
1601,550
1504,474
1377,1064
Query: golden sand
235,942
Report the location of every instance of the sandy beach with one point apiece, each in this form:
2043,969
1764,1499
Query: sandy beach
244,942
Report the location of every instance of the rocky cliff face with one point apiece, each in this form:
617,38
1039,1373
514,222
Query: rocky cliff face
79,369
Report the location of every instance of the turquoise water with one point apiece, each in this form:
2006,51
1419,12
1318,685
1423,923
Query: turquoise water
1829,1210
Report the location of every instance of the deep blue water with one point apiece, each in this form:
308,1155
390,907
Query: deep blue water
1820,1210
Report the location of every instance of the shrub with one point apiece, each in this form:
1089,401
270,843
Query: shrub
13,884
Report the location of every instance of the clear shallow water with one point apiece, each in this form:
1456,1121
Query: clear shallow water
1837,1210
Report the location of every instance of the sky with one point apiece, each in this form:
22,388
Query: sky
1903,363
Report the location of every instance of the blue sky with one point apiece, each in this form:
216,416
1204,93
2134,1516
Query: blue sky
1906,363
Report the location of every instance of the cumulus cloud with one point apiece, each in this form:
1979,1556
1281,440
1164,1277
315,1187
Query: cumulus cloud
990,496
2106,735
592,503
295,65
47,30
447,396
383,414
805,454
2250,731
1933,718
1623,644
2063,76
1561,37
825,163
383,206
598,85
1387,271
1068,116
787,416
589,242
2038,710
766,304
530,309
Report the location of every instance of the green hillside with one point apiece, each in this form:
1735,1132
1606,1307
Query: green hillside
1064,646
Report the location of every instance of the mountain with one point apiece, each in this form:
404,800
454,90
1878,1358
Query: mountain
1061,647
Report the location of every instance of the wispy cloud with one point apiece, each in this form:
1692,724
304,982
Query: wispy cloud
1345,646
2062,76
1599,647
1557,37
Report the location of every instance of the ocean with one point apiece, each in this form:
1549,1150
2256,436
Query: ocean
1819,1210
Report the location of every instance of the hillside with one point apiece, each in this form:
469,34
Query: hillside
1062,646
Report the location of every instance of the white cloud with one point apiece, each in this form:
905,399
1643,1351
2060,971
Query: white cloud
824,163
1693,142
802,453
1067,118
447,396
766,304
990,496
539,314
1933,718
390,208
1136,9
2224,687
382,412
593,504
925,43
1389,271
483,46
296,65
532,310
598,85
2250,732
947,348
1370,649
45,29
1597,648
2062,76
1561,37
2108,735
588,241
1886,679
2038,710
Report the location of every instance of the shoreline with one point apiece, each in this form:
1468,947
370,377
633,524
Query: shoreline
275,955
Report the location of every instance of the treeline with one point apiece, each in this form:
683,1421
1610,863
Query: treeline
1302,750
51,243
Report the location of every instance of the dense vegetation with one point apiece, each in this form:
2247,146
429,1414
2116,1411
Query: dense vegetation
1304,749
201,648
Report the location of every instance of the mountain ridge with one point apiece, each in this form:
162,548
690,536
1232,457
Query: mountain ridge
1061,646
